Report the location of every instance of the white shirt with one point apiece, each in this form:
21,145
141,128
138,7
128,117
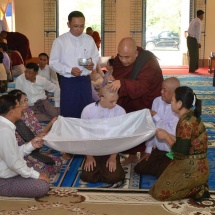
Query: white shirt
165,119
36,91
11,155
93,111
195,29
49,74
66,50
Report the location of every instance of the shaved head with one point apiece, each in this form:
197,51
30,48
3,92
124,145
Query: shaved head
108,98
172,83
106,91
127,44
168,88
127,51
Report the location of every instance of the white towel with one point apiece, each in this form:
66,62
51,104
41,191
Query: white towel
100,136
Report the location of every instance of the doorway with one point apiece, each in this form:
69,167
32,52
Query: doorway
166,24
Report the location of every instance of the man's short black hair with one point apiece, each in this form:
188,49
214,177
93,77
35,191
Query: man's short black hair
43,54
75,14
111,61
33,66
7,102
89,28
200,12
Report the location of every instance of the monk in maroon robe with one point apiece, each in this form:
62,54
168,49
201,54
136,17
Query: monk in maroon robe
19,42
95,35
138,78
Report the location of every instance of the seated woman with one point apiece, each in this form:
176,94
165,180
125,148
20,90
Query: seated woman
35,127
187,175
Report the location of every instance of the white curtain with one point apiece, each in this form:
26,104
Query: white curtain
3,8
100,136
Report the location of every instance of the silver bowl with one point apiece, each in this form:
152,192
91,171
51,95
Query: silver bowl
84,61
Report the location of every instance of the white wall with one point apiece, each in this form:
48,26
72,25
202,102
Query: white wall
29,20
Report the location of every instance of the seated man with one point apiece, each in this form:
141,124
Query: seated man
35,87
45,70
16,178
105,168
154,161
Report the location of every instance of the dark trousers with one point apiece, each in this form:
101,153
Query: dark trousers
101,173
155,165
193,50
76,94
44,110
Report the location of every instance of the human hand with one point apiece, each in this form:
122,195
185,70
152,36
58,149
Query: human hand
90,163
110,79
161,133
37,142
153,112
53,120
76,71
90,65
144,156
114,86
111,163
44,177
41,135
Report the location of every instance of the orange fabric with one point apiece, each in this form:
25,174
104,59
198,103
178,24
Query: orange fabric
96,38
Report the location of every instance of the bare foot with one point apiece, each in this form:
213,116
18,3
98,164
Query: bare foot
67,156
130,159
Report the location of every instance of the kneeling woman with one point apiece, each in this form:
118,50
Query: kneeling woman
187,175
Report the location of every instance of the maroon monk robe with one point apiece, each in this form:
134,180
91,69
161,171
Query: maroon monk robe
19,42
138,94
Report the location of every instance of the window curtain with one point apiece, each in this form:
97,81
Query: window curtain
3,8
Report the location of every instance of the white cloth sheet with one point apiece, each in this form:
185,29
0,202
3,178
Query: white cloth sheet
100,136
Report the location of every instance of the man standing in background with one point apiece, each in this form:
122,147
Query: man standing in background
194,41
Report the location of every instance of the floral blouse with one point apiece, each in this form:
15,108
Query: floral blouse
32,122
191,136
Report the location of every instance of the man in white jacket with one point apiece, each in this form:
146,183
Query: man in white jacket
35,87
16,178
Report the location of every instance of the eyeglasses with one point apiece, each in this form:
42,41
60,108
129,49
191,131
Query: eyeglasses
78,26
23,102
